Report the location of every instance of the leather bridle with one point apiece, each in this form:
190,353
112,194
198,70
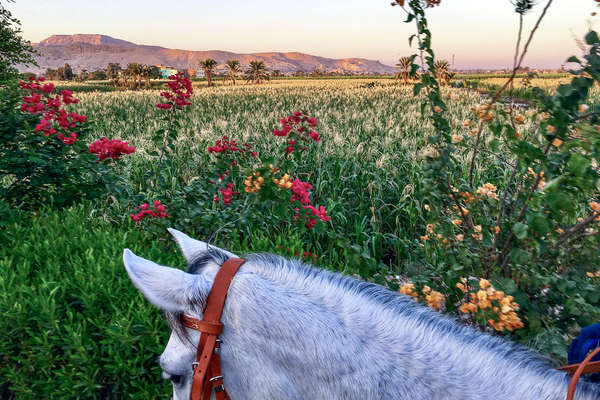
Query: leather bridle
207,367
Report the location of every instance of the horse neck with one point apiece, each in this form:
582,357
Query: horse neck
309,333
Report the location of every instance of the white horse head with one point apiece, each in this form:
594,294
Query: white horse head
296,332
176,292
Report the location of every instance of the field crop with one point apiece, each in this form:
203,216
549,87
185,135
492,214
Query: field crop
366,170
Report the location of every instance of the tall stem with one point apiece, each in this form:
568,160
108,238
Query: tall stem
508,82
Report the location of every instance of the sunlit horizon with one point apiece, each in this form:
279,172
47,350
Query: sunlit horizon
475,35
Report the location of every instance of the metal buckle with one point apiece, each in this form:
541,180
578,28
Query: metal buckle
194,365
220,388
217,349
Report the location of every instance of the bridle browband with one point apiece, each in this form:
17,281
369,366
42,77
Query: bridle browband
207,367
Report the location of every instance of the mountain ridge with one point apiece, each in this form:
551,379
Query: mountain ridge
95,51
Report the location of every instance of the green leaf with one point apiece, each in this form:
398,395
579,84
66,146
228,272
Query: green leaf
539,223
573,59
410,39
495,145
520,256
520,230
591,38
559,201
578,165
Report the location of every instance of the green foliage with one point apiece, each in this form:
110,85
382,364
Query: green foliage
38,170
13,49
73,326
520,226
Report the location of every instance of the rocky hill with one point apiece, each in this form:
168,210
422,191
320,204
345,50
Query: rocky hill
92,52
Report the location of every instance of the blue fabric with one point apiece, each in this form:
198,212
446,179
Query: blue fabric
588,340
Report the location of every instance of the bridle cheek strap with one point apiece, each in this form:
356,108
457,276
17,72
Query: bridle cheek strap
207,368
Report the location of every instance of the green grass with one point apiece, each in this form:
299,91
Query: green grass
73,325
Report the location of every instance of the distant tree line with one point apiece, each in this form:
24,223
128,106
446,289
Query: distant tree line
134,76
138,75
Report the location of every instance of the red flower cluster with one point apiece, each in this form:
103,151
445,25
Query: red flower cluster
227,193
53,118
300,193
225,145
299,123
114,149
177,96
158,211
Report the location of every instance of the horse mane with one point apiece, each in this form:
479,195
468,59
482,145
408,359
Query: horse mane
293,273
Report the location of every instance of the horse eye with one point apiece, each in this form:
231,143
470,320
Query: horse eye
176,379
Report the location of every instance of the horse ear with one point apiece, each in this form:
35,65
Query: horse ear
169,289
192,247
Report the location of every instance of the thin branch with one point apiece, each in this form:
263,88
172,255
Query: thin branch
503,254
499,92
576,228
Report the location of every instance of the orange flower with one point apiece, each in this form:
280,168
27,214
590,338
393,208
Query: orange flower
557,142
484,283
437,109
457,138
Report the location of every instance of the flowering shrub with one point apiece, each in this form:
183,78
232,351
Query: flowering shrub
42,154
180,90
529,230
297,129
178,98
270,185
42,102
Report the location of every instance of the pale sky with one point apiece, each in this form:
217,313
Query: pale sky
480,33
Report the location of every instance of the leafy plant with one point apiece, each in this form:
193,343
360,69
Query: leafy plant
520,229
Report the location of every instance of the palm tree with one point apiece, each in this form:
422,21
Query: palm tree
442,70
234,69
405,64
150,72
257,72
135,71
208,66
